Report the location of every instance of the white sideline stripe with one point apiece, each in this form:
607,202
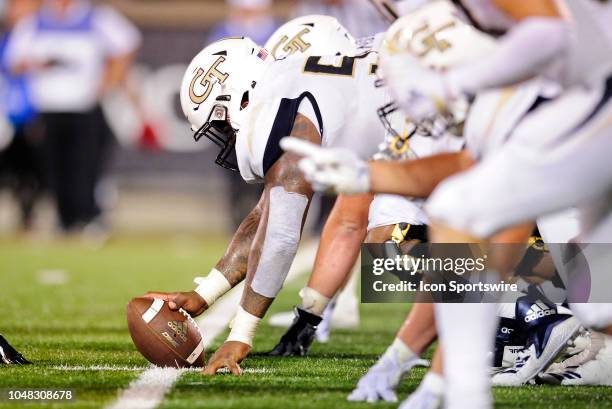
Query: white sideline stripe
149,389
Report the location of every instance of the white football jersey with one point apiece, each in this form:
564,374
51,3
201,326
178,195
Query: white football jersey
337,93
495,114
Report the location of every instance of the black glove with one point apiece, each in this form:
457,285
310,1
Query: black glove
8,354
298,338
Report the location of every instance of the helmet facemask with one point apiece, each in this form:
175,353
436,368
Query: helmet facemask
396,144
219,130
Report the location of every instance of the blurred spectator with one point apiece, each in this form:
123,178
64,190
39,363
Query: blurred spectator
358,16
21,162
74,52
253,19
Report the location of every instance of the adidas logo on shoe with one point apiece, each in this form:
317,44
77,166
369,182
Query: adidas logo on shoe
539,310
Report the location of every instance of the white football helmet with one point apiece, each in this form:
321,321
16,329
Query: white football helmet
311,35
437,35
440,38
215,89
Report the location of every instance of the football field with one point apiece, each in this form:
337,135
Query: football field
62,305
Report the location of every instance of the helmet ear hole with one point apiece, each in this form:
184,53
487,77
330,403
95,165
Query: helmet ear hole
245,100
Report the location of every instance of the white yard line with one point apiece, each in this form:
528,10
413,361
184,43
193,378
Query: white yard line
149,389
119,368
116,368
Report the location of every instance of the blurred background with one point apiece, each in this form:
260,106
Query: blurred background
92,138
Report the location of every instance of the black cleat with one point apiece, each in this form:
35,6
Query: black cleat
300,335
10,356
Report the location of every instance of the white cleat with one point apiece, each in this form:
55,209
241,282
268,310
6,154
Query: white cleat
428,395
592,366
528,365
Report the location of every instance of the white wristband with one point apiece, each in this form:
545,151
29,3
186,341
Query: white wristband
212,286
244,325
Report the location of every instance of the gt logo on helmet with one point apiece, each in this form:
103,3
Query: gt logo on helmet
207,81
432,40
297,43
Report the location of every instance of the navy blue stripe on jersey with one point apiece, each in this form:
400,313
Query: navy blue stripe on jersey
283,124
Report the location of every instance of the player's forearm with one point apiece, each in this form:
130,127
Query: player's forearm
272,258
341,239
275,245
233,264
232,268
271,255
537,40
416,178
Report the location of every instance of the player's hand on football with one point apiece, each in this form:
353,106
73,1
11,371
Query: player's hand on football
420,92
190,301
330,169
229,356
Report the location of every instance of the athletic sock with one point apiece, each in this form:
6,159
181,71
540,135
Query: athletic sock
400,350
313,301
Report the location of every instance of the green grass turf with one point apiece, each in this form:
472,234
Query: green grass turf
82,323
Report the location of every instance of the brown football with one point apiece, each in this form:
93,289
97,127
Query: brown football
166,338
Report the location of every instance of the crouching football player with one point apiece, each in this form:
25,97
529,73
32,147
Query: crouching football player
235,96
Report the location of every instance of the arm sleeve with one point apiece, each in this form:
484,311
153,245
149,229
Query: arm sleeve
523,53
119,35
285,216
